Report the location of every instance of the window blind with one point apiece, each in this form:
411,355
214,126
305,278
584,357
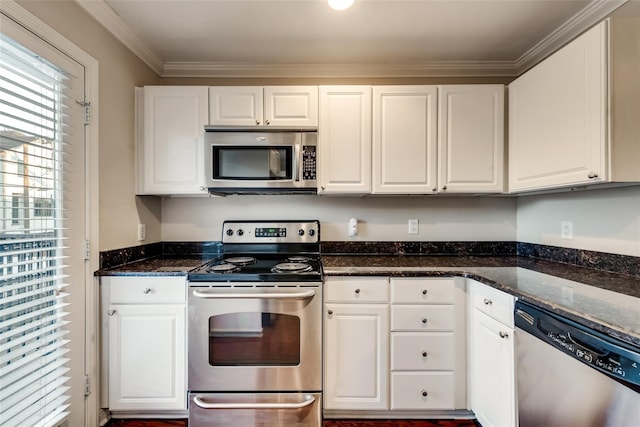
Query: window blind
34,126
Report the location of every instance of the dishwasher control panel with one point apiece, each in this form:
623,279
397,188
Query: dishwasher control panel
606,354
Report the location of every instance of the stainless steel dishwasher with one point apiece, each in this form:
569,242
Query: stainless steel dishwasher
569,375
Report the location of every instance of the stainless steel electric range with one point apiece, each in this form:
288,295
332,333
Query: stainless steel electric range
254,328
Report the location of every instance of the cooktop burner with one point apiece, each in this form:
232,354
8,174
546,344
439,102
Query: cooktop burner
265,251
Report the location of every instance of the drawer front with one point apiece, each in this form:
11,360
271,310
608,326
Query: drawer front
415,351
422,318
357,289
419,390
493,302
422,291
147,290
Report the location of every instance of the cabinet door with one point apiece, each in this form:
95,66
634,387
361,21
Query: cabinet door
471,138
492,371
404,139
147,364
171,122
291,106
344,146
356,356
236,105
558,117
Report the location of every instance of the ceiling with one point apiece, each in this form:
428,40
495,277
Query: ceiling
374,38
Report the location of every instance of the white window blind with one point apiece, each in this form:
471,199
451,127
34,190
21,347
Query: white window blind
34,129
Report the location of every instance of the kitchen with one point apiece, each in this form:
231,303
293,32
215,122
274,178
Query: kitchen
534,219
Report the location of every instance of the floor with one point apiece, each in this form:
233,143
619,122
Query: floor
326,423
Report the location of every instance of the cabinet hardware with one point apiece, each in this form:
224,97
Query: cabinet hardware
487,301
592,175
357,291
329,312
444,188
146,291
322,187
504,334
111,312
424,320
424,393
267,122
434,189
424,354
424,292
257,122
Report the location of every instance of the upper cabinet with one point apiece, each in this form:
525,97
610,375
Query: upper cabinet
289,106
404,139
571,117
169,139
344,140
471,139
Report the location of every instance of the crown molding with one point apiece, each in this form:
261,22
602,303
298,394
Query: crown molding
108,18
587,17
431,69
593,13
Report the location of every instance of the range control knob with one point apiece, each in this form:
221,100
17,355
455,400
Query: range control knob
229,232
312,232
240,232
301,232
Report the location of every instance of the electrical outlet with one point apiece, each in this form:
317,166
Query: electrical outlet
142,232
566,230
413,226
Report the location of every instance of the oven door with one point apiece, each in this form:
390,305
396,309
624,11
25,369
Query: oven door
255,337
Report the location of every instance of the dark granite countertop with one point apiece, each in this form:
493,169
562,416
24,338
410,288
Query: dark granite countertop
161,265
606,302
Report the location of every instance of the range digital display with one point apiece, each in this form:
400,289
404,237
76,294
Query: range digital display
271,232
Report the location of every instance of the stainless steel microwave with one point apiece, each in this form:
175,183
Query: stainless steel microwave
265,161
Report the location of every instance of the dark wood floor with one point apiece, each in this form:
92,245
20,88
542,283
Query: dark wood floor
326,423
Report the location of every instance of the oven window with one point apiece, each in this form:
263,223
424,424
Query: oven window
253,163
254,339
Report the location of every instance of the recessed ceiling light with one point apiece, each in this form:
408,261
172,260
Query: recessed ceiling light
340,4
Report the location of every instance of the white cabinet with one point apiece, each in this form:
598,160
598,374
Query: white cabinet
146,321
387,358
344,140
263,106
427,344
404,139
356,337
471,138
491,353
572,117
170,124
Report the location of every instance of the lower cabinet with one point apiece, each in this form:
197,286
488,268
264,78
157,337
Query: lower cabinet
146,321
356,342
394,345
491,351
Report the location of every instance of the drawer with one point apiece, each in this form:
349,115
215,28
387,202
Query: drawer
422,291
422,318
422,390
416,351
146,290
357,289
493,302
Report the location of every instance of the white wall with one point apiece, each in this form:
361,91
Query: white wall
380,218
603,220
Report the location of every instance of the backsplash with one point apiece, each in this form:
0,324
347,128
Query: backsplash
601,261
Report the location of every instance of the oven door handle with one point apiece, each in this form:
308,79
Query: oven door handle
280,295
309,399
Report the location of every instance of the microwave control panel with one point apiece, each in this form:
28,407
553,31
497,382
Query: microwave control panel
309,162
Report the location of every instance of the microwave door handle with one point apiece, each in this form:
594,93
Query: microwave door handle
309,399
282,295
297,162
